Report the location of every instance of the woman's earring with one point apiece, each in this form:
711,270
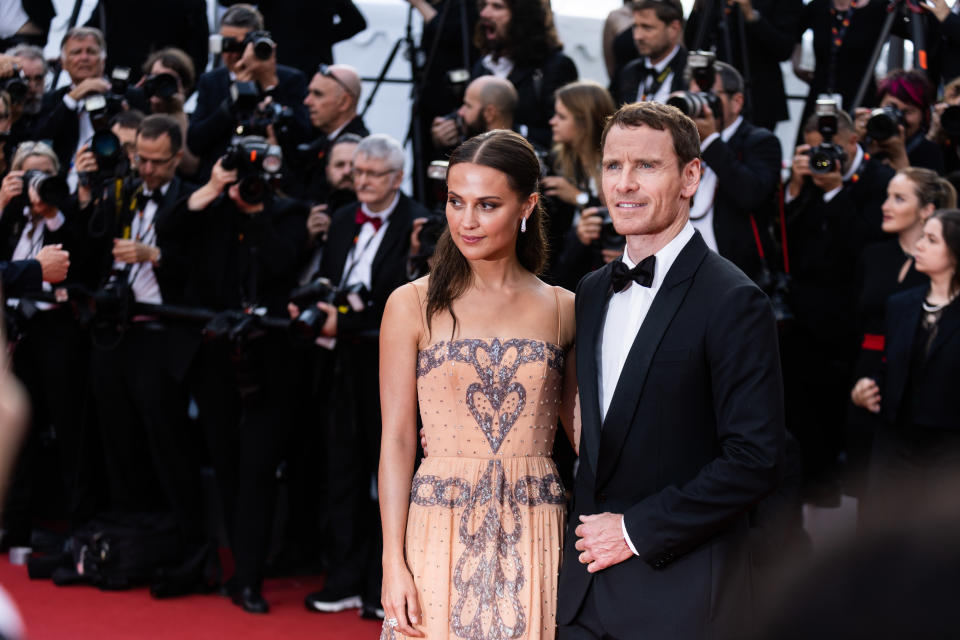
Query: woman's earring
523,225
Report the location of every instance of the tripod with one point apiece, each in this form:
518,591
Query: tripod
902,8
709,9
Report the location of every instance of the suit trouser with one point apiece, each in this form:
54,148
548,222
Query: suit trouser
244,398
150,455
587,625
354,454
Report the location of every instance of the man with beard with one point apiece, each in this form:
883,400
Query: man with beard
657,32
488,103
519,42
34,70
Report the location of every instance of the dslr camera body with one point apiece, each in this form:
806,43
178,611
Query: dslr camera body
257,163
254,116
884,123
353,298
112,162
692,103
827,156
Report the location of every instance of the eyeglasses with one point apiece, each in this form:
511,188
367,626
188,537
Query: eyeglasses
327,72
360,173
155,162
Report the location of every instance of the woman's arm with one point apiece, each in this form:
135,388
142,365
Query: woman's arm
399,336
570,401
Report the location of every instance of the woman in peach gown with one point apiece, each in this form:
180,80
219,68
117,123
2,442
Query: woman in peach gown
472,542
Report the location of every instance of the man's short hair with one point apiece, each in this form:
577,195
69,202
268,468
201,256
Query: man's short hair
346,138
158,124
127,119
380,146
82,33
243,16
844,123
666,10
501,93
686,139
28,51
178,61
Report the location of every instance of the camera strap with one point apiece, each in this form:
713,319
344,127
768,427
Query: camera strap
658,81
353,259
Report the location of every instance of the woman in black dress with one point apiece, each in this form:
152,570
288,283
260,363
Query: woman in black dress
920,434
887,268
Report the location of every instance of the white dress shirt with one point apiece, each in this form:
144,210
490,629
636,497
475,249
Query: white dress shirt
31,238
142,278
502,67
626,312
664,90
701,211
86,133
359,264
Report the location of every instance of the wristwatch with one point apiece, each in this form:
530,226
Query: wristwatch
583,198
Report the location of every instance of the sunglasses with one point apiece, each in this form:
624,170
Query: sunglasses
327,72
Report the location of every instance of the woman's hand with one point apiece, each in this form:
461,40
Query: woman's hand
560,188
12,187
866,395
400,600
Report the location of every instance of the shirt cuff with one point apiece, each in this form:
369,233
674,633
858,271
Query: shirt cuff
55,222
830,195
708,141
787,198
626,536
70,102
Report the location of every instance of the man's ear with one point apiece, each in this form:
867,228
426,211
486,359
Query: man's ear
490,113
690,178
736,101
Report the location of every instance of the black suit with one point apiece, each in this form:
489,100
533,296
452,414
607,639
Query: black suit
354,439
769,42
748,174
691,442
212,124
630,78
536,86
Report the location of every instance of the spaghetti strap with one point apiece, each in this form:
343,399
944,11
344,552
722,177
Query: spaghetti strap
556,297
423,326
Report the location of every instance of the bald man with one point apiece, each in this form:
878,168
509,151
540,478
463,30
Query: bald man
332,99
488,103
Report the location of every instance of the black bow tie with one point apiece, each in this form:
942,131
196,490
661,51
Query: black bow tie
155,195
642,274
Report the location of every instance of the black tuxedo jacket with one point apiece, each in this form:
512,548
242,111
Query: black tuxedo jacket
212,124
748,174
691,442
12,224
634,73
933,405
389,265
20,277
536,86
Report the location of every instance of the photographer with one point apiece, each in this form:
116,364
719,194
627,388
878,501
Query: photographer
833,209
245,245
32,76
168,79
216,117
741,171
51,355
66,115
488,103
945,127
896,131
367,245
139,363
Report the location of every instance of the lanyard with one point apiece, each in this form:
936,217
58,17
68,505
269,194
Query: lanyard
657,83
352,258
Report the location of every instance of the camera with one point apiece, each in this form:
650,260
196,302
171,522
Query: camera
827,156
257,163
609,238
692,104
253,116
884,122
308,324
950,122
161,85
263,44
52,190
16,86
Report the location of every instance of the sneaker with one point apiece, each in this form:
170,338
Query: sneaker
332,600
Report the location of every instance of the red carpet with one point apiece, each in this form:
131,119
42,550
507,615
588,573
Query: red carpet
79,612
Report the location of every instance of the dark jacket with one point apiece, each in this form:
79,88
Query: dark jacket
634,73
12,224
687,448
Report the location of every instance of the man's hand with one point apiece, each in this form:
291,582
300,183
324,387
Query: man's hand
706,123
415,235
251,68
860,117
318,222
749,14
89,86
560,188
330,326
132,252
8,66
866,394
800,169
11,187
938,8
445,132
54,263
590,225
895,148
601,541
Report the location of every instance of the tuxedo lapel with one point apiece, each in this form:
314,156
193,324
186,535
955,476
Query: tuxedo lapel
594,303
626,396
397,228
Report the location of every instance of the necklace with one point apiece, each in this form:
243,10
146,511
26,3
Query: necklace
932,312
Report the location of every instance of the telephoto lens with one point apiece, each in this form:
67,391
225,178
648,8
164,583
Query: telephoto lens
161,85
52,189
884,122
690,104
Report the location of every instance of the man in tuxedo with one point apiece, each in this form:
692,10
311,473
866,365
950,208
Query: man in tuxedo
658,33
741,173
214,120
681,405
368,244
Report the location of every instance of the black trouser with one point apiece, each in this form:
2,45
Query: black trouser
244,396
50,359
587,625
150,455
354,453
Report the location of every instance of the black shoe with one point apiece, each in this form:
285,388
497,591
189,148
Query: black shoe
251,601
371,612
332,600
229,587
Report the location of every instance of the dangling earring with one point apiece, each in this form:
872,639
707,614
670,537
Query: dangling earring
523,225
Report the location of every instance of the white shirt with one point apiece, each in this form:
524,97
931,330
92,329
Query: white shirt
86,134
501,67
701,211
359,264
31,238
142,278
664,91
12,18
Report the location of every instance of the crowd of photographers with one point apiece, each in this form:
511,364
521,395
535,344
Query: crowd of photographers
203,291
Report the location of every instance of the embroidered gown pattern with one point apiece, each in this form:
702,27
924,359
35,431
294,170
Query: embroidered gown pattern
486,506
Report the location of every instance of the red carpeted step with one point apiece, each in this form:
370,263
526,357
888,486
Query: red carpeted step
81,612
